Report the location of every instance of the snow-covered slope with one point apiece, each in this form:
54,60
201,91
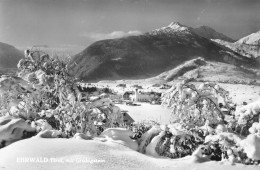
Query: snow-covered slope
252,39
247,50
203,70
39,153
188,66
248,46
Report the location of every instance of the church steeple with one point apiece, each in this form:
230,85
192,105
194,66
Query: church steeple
136,95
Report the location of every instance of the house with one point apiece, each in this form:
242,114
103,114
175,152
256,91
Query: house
126,95
121,85
114,96
136,86
141,97
165,86
127,118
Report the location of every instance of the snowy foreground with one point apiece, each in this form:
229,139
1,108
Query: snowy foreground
113,150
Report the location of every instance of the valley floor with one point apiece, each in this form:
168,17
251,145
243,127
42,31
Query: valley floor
239,93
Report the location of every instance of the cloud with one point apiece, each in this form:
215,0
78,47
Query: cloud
112,35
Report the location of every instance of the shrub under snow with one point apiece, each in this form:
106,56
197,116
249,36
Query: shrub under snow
45,92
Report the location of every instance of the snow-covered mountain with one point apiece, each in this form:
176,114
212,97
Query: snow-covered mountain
203,31
150,54
173,27
252,39
248,46
247,50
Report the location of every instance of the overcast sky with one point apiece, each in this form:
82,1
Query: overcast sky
81,22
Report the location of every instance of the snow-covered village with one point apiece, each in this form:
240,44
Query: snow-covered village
129,84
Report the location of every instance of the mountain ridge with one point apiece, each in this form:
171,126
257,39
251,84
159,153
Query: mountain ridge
248,46
9,57
252,39
203,31
149,54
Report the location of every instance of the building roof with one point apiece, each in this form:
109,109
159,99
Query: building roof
127,118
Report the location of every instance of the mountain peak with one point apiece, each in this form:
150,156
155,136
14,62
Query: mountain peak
202,31
177,26
174,24
173,27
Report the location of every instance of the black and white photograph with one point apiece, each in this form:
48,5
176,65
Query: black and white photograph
129,84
